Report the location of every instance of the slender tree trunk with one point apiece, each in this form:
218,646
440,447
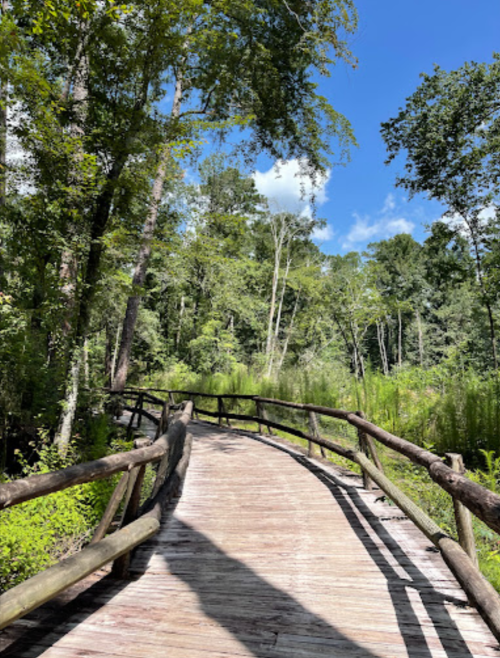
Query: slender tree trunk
484,294
115,352
274,339
358,357
4,91
269,342
289,332
179,329
383,354
68,270
400,339
140,272
86,370
69,264
420,339
108,353
141,267
67,416
282,296
98,221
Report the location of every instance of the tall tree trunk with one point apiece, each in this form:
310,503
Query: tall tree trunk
69,264
108,353
275,334
141,267
420,339
358,357
68,270
282,296
289,332
98,221
400,339
484,293
270,323
381,344
115,352
3,128
179,328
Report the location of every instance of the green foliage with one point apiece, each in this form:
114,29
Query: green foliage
39,532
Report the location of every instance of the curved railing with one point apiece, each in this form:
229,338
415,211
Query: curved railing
170,450
467,495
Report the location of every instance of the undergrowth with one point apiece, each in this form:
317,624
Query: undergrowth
39,532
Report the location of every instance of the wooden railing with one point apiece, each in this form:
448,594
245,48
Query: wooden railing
466,495
171,450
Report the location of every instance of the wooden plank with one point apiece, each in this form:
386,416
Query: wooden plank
271,554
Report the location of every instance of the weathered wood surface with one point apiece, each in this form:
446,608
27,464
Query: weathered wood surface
268,554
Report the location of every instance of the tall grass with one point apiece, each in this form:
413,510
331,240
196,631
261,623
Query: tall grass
448,411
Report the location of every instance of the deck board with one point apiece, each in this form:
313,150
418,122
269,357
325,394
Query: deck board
273,555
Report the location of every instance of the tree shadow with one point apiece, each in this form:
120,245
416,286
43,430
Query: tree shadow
352,504
263,618
41,629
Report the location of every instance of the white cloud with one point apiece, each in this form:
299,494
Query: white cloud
389,203
323,234
387,225
287,188
456,221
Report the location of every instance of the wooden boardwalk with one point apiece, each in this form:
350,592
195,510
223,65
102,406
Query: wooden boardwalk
272,555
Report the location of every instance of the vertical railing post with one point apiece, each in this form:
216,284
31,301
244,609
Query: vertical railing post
263,415
258,413
163,424
121,565
462,514
363,447
220,409
314,429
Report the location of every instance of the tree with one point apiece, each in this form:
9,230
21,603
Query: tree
449,130
243,63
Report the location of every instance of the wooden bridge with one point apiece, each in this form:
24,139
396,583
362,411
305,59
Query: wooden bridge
268,552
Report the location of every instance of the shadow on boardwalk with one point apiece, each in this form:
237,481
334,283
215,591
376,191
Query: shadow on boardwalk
265,620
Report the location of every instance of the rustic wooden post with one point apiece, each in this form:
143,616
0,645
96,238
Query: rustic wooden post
258,413
363,447
220,409
370,443
163,424
111,509
122,564
314,429
462,514
263,414
224,412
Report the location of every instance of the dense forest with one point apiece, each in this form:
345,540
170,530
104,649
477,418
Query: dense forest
117,268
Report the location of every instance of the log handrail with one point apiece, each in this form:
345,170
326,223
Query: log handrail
172,447
480,501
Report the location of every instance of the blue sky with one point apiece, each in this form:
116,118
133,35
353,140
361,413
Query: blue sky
396,41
